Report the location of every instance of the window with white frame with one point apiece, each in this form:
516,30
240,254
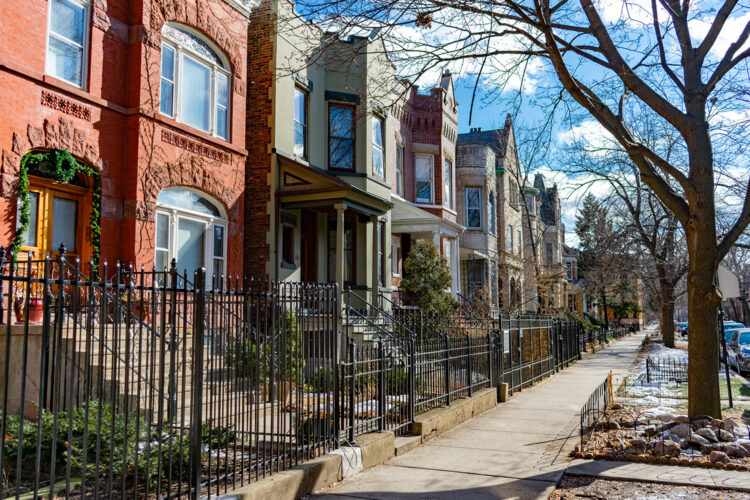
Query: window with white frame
378,168
448,183
492,214
67,40
191,229
423,177
300,122
473,207
194,81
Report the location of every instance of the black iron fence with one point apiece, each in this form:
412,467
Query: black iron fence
595,407
145,384
666,369
159,384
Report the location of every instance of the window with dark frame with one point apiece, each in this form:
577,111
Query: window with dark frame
492,214
448,184
473,208
340,137
300,122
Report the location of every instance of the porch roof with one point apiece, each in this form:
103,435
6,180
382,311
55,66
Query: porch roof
472,254
408,218
302,185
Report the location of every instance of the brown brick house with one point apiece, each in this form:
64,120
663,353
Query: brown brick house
151,95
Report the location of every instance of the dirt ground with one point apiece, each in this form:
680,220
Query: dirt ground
576,487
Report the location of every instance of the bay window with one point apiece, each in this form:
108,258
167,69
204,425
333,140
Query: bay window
67,40
194,87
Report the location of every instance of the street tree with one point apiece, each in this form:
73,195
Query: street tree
668,61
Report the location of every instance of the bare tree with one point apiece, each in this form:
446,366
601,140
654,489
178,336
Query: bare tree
663,60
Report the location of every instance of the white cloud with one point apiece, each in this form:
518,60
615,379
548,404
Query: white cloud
729,33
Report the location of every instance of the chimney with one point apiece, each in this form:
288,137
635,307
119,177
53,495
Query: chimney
475,129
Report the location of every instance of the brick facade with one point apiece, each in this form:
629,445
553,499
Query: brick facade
113,124
258,140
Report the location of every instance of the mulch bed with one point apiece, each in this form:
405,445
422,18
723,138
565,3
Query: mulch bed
588,487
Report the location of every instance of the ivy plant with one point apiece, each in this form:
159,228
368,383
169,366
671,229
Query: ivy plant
61,166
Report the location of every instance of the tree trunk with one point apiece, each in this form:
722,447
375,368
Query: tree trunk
667,314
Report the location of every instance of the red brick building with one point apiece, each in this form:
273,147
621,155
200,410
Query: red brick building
152,95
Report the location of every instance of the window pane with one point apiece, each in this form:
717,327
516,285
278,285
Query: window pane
64,220
423,167
162,230
473,218
65,61
300,105
29,238
218,241
221,122
299,139
167,96
167,62
423,191
218,267
472,198
196,93
377,132
340,123
161,260
377,162
341,153
67,19
400,170
222,91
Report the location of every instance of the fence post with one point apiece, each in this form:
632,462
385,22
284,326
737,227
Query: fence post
489,361
381,387
648,370
469,363
412,380
446,344
352,375
197,379
337,365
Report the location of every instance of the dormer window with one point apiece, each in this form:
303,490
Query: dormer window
194,81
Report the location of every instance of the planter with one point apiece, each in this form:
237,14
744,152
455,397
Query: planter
35,310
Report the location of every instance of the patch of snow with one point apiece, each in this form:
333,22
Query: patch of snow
654,401
659,410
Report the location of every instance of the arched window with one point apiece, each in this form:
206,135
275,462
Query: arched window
191,228
194,81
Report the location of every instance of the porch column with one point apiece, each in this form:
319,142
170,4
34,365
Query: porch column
340,209
436,240
374,278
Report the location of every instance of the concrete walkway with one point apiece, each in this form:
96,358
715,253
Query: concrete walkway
669,474
519,449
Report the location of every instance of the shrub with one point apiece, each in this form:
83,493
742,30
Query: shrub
252,358
427,275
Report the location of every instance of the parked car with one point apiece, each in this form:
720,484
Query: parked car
730,327
738,350
682,328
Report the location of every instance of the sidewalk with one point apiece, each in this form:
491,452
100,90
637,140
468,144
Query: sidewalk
519,449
